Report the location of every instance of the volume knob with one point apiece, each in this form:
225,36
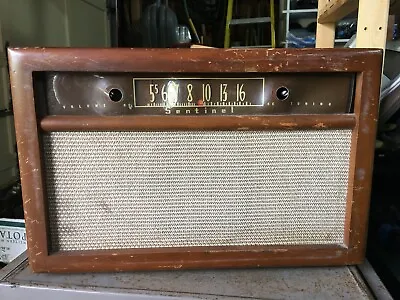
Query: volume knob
115,95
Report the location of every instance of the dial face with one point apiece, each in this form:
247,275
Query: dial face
130,94
197,94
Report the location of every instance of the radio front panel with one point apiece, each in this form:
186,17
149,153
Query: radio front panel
197,94
149,159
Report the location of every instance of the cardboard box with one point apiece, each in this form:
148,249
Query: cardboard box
12,239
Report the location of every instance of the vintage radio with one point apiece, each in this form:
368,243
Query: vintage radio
135,159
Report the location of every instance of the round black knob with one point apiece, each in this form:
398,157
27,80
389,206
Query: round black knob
115,95
282,93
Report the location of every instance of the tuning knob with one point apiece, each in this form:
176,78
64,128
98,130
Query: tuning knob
282,93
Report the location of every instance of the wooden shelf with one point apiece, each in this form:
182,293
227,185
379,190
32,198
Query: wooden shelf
334,10
371,24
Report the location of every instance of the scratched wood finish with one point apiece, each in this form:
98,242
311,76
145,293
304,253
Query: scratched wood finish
366,63
151,123
194,258
363,146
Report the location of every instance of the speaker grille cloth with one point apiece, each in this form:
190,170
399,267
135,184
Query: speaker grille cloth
115,190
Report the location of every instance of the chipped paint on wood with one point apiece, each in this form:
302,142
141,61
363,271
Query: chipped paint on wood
320,126
25,61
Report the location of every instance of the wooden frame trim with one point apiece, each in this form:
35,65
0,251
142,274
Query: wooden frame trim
193,257
363,147
190,60
150,123
23,62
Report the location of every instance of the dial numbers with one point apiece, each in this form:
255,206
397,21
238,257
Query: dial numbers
198,92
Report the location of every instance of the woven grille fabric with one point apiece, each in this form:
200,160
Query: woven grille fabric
116,190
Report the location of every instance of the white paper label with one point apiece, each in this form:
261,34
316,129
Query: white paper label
12,239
